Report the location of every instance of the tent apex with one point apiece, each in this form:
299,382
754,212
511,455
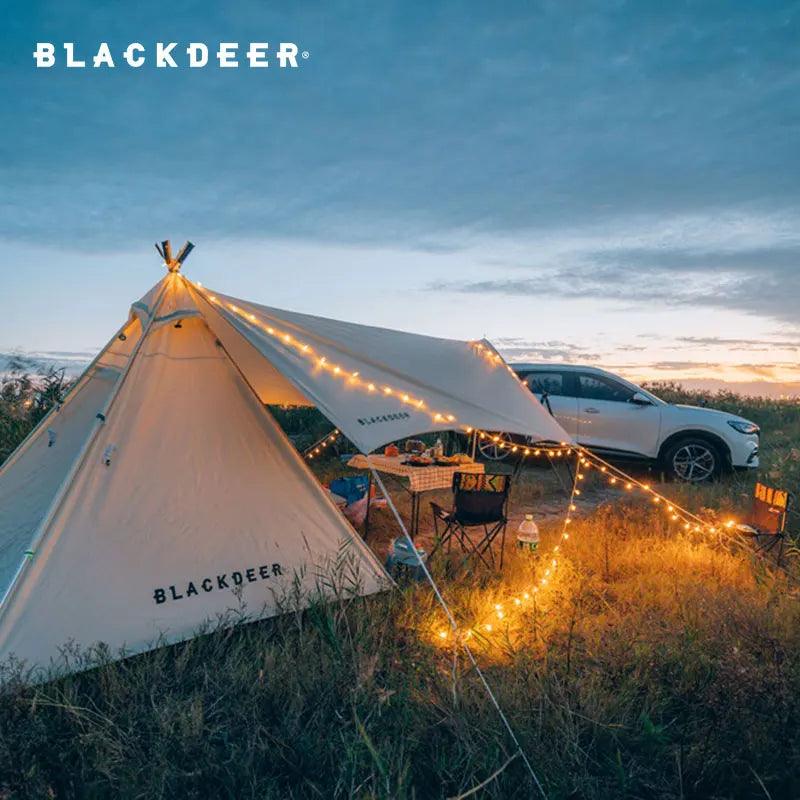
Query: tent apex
165,251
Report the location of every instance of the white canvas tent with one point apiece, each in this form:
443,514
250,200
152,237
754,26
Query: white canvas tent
162,494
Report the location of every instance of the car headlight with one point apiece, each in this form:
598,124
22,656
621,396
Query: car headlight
743,427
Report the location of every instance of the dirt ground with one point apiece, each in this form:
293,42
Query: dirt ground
538,490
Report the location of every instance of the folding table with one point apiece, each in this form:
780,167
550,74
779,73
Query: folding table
419,480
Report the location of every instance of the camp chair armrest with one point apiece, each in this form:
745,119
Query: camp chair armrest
439,511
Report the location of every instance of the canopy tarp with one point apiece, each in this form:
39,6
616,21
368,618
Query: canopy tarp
378,385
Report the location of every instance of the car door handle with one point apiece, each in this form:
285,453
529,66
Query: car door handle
591,410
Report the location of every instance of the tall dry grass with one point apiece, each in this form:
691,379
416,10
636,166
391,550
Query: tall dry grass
654,665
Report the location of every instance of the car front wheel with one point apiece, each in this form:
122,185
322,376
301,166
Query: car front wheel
693,460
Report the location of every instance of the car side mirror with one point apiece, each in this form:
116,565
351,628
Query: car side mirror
640,399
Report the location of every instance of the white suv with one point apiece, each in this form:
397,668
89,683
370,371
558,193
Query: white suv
616,418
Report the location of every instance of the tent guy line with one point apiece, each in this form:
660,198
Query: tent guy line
454,625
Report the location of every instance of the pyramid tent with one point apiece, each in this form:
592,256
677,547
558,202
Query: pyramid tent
161,493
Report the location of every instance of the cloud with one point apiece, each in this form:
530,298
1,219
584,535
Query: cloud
635,155
759,345
742,261
73,363
674,366
518,349
399,129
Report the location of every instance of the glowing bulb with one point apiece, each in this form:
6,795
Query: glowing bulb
336,370
442,634
387,390
371,387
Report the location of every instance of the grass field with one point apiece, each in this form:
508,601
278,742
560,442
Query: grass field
655,664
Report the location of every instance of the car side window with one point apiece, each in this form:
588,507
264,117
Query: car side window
598,387
550,382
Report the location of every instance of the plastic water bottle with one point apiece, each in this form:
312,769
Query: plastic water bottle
528,534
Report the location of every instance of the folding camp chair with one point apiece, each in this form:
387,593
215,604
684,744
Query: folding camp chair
767,520
479,501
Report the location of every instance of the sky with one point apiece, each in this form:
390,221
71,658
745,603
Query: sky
609,183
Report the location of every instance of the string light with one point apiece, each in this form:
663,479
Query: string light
322,362
321,444
586,459
604,470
